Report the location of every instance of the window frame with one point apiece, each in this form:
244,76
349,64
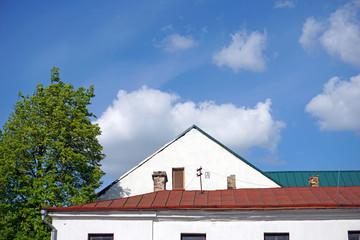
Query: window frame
182,169
354,232
100,235
276,234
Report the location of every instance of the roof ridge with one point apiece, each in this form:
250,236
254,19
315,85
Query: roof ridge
232,152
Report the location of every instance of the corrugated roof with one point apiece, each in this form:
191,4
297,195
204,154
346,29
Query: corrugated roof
326,178
252,198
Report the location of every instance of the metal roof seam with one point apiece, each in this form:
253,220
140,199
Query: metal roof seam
352,193
352,179
314,194
273,194
287,194
302,196
181,197
358,177
167,199
326,177
125,202
262,199
153,200
112,201
247,195
351,189
327,194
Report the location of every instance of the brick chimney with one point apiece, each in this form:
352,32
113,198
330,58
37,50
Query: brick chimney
314,181
160,180
231,182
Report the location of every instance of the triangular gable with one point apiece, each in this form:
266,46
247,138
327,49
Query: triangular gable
235,154
174,141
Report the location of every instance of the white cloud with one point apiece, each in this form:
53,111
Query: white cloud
284,4
310,33
339,34
140,122
338,106
244,52
176,42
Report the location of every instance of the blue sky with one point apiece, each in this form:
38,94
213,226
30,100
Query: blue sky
276,81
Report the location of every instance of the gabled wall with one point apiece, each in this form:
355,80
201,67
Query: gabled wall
190,151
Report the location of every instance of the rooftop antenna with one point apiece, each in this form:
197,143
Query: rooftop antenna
337,189
199,174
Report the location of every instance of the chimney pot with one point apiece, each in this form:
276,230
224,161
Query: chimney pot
231,182
160,180
314,181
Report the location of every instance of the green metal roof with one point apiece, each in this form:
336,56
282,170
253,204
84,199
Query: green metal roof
326,178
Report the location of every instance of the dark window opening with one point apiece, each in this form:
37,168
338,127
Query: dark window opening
276,236
193,236
101,236
354,235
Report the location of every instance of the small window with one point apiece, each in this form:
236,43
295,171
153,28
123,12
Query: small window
191,236
276,236
101,236
354,235
178,179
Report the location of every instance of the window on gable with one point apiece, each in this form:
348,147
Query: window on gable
178,179
276,236
191,236
101,236
354,235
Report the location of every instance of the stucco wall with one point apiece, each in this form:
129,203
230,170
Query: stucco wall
122,229
247,230
190,151
228,226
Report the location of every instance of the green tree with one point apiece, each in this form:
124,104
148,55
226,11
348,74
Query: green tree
49,156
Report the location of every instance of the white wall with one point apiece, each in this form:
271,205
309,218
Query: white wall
232,225
122,229
247,230
191,151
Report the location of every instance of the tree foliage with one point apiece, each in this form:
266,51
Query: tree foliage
49,156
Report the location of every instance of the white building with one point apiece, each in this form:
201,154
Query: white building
238,201
180,159
247,214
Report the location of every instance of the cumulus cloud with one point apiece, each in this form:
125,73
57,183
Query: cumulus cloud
339,35
244,52
310,33
284,4
338,106
176,42
140,122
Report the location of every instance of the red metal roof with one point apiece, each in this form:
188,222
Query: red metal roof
252,198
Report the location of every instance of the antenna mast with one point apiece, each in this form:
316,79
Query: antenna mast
199,174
